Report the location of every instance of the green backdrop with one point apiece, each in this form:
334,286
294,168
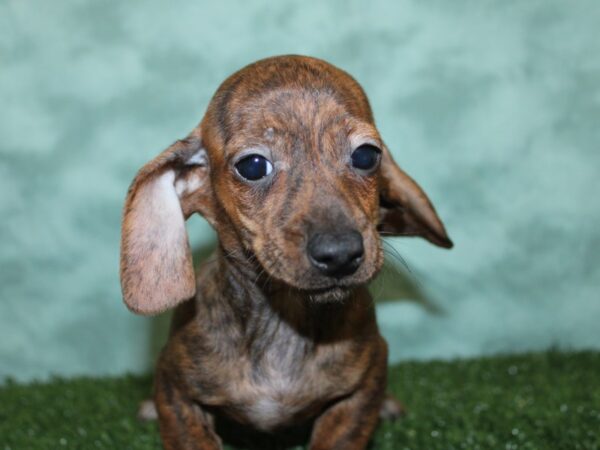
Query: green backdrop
494,107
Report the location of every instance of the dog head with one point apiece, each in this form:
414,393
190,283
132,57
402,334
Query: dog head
288,166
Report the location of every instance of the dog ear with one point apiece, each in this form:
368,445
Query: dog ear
404,207
156,261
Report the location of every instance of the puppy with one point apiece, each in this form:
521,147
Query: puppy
276,335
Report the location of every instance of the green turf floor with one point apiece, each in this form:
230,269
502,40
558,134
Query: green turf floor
535,401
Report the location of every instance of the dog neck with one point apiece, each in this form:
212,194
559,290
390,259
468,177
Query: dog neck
257,302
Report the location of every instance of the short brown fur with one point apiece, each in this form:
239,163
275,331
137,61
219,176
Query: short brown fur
261,340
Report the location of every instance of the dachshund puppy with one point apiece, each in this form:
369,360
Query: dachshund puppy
276,335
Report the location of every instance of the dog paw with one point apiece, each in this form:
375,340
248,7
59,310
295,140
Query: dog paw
391,409
147,411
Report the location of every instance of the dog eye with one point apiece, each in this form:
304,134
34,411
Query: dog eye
254,167
365,157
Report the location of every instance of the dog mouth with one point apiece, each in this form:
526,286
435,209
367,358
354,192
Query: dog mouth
321,289
333,293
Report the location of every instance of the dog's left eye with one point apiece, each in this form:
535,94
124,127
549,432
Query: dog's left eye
365,157
254,167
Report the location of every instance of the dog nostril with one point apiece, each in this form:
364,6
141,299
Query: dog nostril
336,254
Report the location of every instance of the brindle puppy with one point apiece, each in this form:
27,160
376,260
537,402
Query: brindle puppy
278,331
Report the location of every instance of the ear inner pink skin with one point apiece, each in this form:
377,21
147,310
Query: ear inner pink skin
157,269
156,262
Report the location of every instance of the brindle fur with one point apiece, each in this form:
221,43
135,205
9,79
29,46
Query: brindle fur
260,341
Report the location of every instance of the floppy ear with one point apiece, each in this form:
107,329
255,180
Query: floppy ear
404,208
156,261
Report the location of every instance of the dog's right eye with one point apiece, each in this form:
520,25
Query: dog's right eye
366,157
254,167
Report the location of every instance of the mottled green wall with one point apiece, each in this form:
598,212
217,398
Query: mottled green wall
494,107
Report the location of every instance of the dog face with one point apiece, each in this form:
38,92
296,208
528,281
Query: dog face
288,165
299,182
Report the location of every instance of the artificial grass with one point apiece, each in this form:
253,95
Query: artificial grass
534,401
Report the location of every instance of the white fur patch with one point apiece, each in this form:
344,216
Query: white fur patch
267,413
281,165
197,159
356,140
265,408
187,185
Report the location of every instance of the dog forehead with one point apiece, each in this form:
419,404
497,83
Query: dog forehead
279,88
297,123
292,111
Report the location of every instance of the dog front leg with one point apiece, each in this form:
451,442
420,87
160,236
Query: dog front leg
350,423
183,424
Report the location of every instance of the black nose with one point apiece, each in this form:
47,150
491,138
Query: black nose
336,254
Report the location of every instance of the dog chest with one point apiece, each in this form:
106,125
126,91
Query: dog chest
275,390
